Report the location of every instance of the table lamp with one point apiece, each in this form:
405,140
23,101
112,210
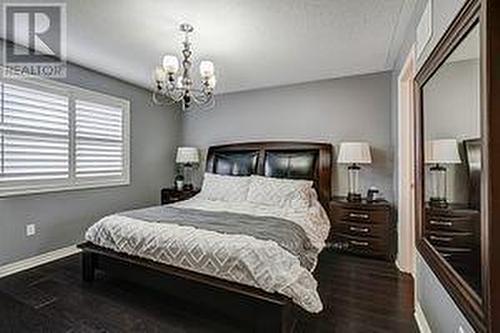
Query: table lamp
354,153
187,157
440,153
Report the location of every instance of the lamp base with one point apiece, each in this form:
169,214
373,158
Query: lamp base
438,202
353,197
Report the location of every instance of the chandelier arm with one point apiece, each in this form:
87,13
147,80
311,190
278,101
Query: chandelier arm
166,100
200,98
160,99
175,94
204,101
210,103
201,91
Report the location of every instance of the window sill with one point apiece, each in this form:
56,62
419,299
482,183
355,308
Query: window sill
86,186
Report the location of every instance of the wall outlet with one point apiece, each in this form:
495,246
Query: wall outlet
30,230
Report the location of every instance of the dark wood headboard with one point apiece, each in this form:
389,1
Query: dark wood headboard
473,163
295,160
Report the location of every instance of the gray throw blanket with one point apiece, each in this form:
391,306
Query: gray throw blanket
286,234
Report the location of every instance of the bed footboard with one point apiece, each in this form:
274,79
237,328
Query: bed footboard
88,266
274,313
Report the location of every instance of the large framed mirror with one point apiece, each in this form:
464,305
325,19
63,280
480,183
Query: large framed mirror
451,217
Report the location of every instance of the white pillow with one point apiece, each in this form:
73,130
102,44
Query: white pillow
224,188
287,193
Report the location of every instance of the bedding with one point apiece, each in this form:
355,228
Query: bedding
286,234
224,188
197,235
281,192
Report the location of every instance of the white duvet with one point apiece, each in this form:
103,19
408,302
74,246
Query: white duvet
239,258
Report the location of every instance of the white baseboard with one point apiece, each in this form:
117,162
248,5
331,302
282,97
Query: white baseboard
422,323
41,259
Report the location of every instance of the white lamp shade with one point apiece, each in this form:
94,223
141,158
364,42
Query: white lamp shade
207,68
443,151
354,152
186,155
170,64
160,74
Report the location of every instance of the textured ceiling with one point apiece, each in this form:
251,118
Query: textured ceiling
254,43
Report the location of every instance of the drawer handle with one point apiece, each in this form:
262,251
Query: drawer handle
442,239
446,255
441,223
359,229
353,242
359,216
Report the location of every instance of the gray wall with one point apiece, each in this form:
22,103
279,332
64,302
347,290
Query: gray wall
61,218
451,102
443,316
348,109
440,310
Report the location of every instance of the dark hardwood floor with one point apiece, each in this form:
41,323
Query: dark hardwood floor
359,294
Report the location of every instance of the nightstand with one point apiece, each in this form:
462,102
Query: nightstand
364,228
171,195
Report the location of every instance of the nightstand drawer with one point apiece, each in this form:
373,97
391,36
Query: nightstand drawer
362,245
451,239
458,257
449,223
361,229
359,215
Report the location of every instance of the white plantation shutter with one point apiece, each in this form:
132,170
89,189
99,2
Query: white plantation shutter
34,130
99,140
57,137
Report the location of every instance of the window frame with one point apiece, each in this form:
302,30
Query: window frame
73,93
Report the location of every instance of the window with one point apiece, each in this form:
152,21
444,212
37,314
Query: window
57,137
99,140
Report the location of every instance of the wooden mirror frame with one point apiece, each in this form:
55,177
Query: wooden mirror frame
479,309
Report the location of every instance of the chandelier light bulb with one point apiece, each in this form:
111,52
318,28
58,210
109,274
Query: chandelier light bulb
207,68
160,74
212,81
179,83
170,64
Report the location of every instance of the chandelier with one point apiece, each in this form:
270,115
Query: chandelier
171,87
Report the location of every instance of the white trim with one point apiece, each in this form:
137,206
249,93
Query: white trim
423,325
41,259
406,259
47,188
424,30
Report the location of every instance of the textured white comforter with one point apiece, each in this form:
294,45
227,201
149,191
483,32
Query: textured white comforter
240,258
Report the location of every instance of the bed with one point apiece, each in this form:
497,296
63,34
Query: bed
258,250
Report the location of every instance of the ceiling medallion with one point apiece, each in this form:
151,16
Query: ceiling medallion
171,88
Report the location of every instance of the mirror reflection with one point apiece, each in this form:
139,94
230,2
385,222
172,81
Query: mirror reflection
452,155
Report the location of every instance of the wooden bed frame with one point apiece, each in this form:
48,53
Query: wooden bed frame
276,307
